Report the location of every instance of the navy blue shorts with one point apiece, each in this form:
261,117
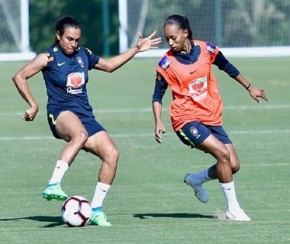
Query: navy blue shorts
89,122
194,133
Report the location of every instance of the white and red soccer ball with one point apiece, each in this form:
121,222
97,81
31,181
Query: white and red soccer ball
76,211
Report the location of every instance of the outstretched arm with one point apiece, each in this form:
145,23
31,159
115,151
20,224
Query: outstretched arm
232,71
116,62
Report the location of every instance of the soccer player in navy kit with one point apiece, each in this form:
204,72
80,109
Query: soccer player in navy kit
65,67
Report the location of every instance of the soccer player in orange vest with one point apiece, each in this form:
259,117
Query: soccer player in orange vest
196,109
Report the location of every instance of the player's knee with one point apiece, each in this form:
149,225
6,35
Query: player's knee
115,154
81,137
113,158
235,168
224,156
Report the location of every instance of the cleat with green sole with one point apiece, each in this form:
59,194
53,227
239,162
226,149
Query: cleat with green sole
54,191
99,218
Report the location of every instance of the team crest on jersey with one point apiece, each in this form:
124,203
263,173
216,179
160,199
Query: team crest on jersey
164,63
194,132
210,47
55,49
80,61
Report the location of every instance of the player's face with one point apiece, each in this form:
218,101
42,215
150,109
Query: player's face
69,41
176,37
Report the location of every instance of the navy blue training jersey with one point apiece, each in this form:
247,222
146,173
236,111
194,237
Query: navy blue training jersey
66,78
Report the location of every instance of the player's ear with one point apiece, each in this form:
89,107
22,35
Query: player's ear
185,33
57,34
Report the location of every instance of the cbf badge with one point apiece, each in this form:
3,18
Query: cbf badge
194,132
164,63
80,61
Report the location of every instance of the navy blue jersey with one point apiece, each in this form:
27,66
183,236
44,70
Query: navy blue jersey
66,78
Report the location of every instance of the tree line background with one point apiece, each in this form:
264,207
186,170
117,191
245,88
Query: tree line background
43,15
242,22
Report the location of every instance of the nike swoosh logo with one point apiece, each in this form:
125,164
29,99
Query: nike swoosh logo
191,72
60,64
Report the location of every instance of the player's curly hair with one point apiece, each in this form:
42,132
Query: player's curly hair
64,22
181,21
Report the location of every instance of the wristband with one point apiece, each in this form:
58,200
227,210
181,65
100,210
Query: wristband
248,86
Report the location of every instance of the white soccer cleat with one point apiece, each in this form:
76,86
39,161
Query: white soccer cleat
237,215
200,193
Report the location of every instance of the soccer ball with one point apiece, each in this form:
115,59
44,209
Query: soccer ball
76,211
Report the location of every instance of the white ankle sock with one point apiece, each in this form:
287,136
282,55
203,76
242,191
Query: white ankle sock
60,168
100,194
230,195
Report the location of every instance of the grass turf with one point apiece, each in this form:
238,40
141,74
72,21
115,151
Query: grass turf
149,203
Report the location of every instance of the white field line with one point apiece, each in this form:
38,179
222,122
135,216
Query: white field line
141,110
149,109
239,132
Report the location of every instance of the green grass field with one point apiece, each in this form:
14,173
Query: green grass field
149,203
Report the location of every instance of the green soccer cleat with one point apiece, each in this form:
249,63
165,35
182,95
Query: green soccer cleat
99,218
54,191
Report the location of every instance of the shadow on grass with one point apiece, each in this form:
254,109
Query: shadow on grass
172,215
52,221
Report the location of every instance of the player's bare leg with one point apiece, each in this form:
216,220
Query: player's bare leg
102,145
227,164
69,128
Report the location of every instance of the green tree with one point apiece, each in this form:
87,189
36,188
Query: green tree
43,15
256,23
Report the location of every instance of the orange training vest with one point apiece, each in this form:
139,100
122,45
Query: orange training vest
194,88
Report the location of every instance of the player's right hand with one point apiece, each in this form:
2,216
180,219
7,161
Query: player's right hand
30,113
159,129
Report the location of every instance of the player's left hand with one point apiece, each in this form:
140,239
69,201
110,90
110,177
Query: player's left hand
257,93
144,44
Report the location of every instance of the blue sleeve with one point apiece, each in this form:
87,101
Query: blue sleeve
93,59
223,64
50,57
160,89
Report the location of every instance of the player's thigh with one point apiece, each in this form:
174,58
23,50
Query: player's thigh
215,147
196,134
68,126
102,145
